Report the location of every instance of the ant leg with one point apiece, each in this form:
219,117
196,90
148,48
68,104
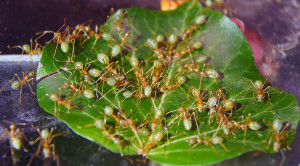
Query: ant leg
21,90
85,126
177,126
73,54
55,135
35,141
55,50
55,111
214,148
16,75
264,91
30,86
195,119
9,82
283,158
57,159
246,92
35,154
224,147
22,144
53,151
13,155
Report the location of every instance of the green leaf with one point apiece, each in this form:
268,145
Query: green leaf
228,53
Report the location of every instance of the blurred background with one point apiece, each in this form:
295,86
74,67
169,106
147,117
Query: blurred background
272,28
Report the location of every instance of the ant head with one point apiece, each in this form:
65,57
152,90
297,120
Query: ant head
12,126
220,91
31,74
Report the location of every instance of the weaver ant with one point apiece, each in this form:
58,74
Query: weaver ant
199,20
253,125
279,135
198,96
58,37
72,87
15,137
56,98
214,140
258,88
29,49
153,140
20,82
45,145
115,138
98,123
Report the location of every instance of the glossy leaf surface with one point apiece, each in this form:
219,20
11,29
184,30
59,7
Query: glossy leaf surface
228,53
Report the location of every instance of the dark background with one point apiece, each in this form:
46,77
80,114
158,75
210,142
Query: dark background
277,26
21,19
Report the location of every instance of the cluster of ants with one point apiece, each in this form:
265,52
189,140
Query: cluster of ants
121,72
17,139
